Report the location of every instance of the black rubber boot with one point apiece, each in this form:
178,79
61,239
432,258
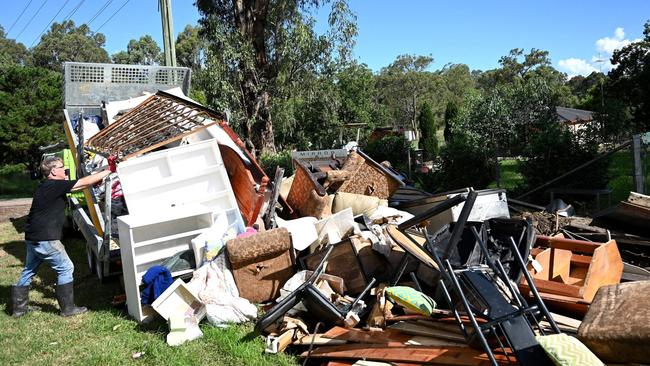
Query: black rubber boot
19,300
65,296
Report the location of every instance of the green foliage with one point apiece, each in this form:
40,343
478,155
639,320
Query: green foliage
429,140
269,162
463,163
30,98
357,89
144,51
554,150
257,62
629,81
404,85
190,48
451,114
390,148
11,52
65,42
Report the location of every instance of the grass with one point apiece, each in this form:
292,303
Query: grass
621,168
510,176
105,335
620,171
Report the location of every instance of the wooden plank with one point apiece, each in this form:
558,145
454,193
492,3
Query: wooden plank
409,354
318,340
606,269
552,287
422,330
561,319
90,201
581,246
389,336
413,244
433,342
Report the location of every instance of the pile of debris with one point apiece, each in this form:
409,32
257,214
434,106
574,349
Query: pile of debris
349,264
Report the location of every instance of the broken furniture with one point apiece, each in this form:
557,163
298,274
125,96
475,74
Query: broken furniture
183,311
179,300
165,120
617,326
485,292
186,174
490,203
261,264
342,262
307,196
569,272
367,177
149,239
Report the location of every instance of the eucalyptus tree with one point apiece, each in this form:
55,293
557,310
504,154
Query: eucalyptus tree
258,52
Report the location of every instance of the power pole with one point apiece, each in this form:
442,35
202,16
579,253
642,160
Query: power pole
165,7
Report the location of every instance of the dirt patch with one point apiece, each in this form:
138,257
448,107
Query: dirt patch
13,209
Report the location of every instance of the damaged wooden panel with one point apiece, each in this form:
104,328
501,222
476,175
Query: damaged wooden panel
159,120
408,354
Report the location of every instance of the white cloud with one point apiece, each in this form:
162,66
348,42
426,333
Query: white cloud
600,62
576,66
609,45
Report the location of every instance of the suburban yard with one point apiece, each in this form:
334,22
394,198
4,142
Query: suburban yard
105,335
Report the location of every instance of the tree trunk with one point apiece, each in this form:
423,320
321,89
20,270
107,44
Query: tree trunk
250,20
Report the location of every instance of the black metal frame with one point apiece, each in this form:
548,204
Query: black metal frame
477,288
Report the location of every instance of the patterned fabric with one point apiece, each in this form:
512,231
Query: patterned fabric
367,179
567,351
261,264
304,198
411,299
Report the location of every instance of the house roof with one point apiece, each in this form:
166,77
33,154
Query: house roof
572,115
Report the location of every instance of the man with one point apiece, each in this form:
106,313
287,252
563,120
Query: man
43,235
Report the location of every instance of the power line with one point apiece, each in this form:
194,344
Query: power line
111,17
30,20
17,19
70,14
101,10
48,24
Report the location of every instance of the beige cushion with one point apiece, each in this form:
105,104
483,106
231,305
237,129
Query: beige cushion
359,203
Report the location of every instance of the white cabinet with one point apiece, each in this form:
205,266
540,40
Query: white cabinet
149,239
187,174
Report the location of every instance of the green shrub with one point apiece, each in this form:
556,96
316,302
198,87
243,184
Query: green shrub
268,162
555,150
389,148
429,141
464,164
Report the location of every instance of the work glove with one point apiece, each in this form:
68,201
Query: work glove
112,163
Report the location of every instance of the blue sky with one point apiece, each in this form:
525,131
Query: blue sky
477,33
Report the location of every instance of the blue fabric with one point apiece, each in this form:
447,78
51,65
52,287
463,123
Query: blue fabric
155,282
51,252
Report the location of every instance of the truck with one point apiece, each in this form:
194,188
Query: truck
87,86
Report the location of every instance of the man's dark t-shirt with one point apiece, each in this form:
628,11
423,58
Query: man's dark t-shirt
47,214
